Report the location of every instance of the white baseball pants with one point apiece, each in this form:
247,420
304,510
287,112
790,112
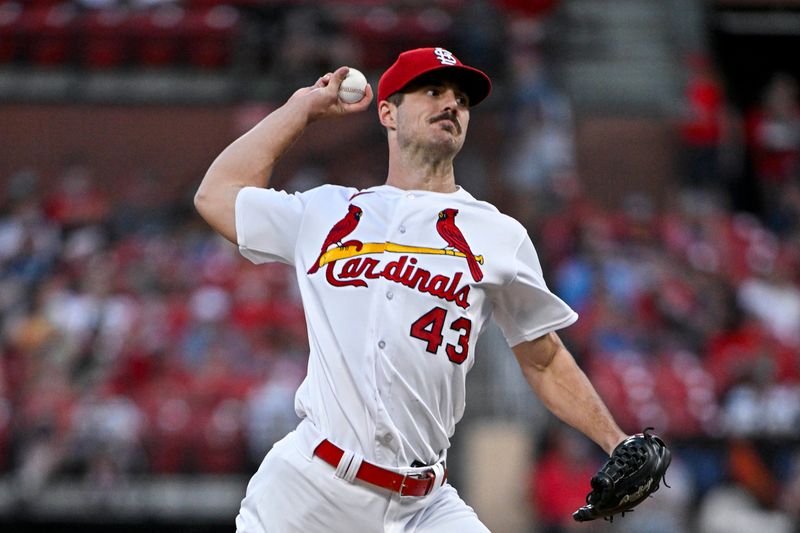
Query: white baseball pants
294,491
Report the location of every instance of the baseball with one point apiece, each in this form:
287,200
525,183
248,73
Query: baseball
353,88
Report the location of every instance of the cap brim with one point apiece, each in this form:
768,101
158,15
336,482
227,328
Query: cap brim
472,81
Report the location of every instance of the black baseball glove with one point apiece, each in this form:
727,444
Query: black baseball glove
632,473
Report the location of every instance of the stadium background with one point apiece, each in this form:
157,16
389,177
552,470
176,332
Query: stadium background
651,147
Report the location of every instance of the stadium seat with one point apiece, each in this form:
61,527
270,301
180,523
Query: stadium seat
211,34
104,43
156,35
48,32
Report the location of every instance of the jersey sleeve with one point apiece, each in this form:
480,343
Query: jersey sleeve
525,309
268,223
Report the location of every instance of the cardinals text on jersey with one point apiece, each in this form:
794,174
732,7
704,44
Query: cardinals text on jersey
356,270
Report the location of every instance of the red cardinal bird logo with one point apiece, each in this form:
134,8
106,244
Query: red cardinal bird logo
446,226
340,230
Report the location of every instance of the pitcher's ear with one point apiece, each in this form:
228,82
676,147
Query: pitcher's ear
387,114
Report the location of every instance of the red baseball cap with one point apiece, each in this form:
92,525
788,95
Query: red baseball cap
414,63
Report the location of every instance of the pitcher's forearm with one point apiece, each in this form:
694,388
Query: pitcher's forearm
568,394
250,159
247,162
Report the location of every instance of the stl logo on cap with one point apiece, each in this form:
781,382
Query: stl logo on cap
445,57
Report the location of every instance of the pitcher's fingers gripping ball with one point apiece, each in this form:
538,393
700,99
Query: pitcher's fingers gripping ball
632,473
353,88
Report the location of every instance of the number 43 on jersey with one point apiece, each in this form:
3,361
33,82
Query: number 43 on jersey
429,328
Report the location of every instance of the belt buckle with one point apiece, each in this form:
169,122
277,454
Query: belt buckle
429,475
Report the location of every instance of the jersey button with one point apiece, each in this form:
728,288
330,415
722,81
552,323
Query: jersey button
402,229
389,295
381,345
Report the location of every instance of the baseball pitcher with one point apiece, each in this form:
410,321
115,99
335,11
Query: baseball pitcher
397,282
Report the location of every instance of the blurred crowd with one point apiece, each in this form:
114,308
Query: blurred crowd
134,341
690,314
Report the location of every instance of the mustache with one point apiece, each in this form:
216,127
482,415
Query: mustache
447,116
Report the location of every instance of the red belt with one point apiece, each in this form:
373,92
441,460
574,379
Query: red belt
411,484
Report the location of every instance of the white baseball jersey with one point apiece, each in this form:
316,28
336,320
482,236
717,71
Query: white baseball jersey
397,286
